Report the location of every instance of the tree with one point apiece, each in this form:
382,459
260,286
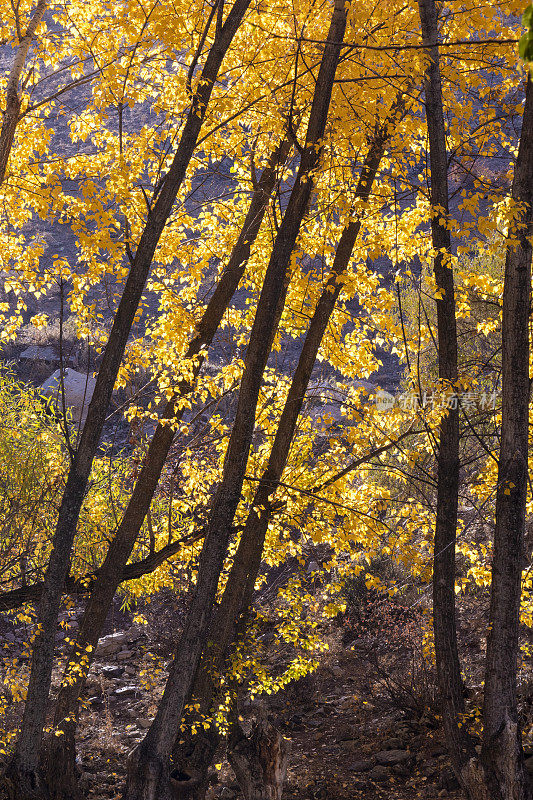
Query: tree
500,773
270,474
24,768
149,773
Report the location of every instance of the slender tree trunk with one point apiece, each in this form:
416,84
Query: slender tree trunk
502,746
500,773
58,750
22,776
197,751
149,769
444,612
13,98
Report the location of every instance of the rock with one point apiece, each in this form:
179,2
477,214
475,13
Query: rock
45,355
94,701
93,685
337,672
124,655
392,744
345,731
416,742
529,764
109,645
126,691
389,757
430,768
144,722
79,390
112,671
349,744
379,773
360,766
402,770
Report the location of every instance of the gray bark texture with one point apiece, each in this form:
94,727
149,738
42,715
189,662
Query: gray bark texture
502,753
259,761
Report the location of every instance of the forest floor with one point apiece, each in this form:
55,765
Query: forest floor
363,725
360,726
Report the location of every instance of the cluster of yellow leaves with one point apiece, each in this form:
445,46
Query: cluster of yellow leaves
96,171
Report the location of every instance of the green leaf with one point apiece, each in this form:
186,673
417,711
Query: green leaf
522,45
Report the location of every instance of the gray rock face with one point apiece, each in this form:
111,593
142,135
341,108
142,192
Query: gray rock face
78,388
110,671
126,691
109,645
46,355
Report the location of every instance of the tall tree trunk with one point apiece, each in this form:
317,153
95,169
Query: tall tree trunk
22,775
149,769
444,612
59,751
13,98
500,773
197,751
502,746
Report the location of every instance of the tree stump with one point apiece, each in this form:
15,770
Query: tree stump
259,761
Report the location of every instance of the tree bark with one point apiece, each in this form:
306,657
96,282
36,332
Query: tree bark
59,748
197,751
149,767
502,746
13,98
444,611
259,761
23,770
500,773
80,586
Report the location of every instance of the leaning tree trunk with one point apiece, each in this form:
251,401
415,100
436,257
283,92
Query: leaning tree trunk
149,767
59,752
196,751
22,778
502,747
13,100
